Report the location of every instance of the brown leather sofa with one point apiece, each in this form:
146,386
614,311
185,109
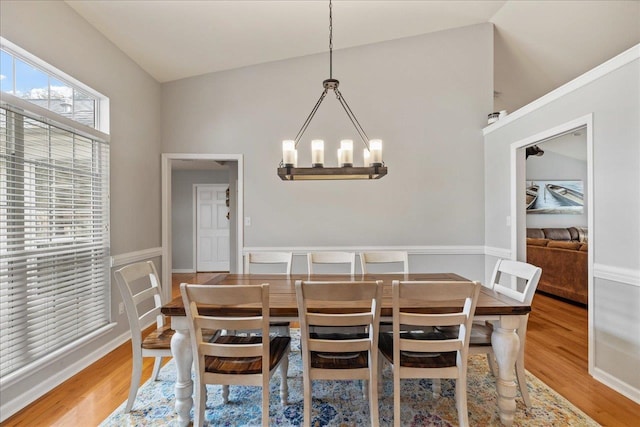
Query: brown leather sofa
562,255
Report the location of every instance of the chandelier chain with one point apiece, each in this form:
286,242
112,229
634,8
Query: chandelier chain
330,40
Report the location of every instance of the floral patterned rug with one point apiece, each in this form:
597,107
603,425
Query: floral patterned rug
340,403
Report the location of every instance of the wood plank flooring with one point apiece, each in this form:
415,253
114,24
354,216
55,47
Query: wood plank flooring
556,353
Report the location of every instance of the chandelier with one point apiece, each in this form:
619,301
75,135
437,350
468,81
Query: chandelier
373,167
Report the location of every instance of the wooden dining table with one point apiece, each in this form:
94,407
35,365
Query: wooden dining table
503,311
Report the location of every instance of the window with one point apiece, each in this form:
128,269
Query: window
22,78
54,224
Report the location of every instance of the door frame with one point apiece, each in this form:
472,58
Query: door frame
195,222
518,207
166,176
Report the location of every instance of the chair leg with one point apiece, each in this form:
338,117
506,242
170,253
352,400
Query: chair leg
136,374
225,394
307,401
396,396
265,400
284,386
373,398
437,387
199,402
156,368
461,402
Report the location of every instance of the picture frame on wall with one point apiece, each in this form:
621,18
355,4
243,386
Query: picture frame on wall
555,197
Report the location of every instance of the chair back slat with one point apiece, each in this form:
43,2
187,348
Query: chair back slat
344,319
348,258
433,319
341,346
284,258
430,346
516,270
224,295
230,350
391,258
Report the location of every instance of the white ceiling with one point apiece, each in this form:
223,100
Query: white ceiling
539,45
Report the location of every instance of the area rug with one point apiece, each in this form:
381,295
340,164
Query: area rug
340,403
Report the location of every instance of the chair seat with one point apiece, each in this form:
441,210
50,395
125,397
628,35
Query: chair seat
159,338
246,365
415,359
327,360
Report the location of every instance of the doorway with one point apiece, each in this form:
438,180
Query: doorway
519,193
170,161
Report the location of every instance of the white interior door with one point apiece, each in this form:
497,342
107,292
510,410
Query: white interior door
212,228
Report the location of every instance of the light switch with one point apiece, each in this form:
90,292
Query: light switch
247,221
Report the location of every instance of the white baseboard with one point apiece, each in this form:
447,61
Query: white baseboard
183,270
49,383
616,384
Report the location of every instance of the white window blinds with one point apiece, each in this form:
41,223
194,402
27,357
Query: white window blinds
54,237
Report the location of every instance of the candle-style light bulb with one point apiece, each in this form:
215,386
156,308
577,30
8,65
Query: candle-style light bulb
288,150
346,145
366,155
375,145
317,153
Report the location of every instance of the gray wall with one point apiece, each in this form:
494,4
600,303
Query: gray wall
554,166
182,202
427,97
55,33
614,100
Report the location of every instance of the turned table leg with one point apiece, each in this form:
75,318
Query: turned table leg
506,345
181,351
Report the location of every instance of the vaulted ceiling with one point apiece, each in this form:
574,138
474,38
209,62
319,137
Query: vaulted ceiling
539,45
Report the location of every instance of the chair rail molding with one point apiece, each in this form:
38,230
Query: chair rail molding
625,276
411,250
129,257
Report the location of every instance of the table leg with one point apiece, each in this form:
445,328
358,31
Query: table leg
506,344
181,351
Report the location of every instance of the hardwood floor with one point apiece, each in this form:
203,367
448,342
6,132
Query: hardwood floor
556,353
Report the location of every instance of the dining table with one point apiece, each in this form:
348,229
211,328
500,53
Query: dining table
504,312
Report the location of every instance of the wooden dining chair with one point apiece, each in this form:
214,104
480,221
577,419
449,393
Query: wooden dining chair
335,258
141,293
233,359
339,356
394,262
504,281
415,350
253,260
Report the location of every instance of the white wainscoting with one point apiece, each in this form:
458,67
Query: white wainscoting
625,276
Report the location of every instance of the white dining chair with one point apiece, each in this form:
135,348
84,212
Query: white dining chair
415,350
517,280
141,293
270,260
337,356
347,259
233,359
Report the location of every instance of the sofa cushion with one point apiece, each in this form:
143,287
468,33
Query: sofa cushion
557,234
564,245
537,242
584,247
535,233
